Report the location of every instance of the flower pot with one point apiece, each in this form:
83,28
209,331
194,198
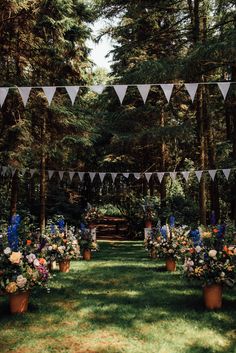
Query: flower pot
212,296
64,266
18,302
87,254
170,264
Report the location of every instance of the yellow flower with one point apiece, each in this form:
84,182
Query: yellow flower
206,234
15,257
11,287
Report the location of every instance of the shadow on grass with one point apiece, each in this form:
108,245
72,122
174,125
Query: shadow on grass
116,290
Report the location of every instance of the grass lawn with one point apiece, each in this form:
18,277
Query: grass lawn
121,301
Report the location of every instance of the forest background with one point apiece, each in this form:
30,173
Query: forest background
44,43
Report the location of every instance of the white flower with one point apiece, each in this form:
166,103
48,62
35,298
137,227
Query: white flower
222,274
31,257
170,251
198,248
21,281
36,263
7,251
212,253
50,248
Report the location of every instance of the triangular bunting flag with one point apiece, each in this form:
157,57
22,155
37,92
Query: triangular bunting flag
61,174
113,175
185,175
144,90
102,176
137,175
4,170
226,173
12,170
81,175
49,93
173,175
71,175
192,89
212,173
160,176
148,176
92,176
72,92
167,89
97,88
50,174
24,93
224,88
120,91
32,171
126,175
3,94
198,174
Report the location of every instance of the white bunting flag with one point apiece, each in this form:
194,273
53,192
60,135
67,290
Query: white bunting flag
126,175
148,176
144,90
167,89
97,88
212,173
113,175
198,174
81,175
49,93
120,91
102,176
3,94
71,175
32,172
24,93
224,88
185,175
192,89
50,174
173,175
137,175
4,170
12,170
92,176
160,176
226,173
72,92
61,174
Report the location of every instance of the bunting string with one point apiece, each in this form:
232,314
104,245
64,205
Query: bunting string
10,171
121,90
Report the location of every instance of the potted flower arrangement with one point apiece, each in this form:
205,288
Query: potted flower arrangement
212,263
87,244
20,271
61,247
150,242
172,246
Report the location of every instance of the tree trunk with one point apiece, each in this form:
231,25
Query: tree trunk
202,160
163,164
233,116
42,217
14,194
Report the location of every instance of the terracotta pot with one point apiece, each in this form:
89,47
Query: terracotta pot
64,266
19,302
87,254
212,296
170,264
